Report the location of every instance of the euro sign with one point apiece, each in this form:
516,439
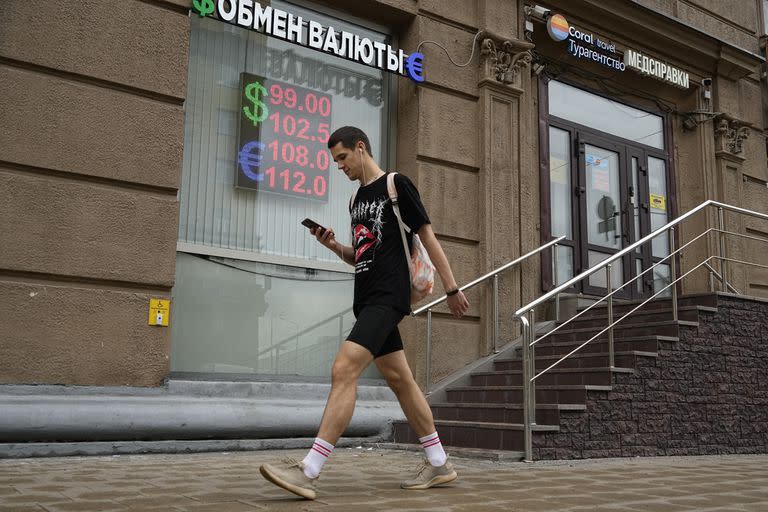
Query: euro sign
203,7
414,66
260,110
249,160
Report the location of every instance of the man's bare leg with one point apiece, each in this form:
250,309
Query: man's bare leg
394,367
439,471
350,362
299,477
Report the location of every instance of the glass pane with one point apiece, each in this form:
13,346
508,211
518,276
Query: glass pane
232,316
658,203
765,16
560,182
634,199
605,115
598,278
564,268
603,197
661,279
638,271
304,95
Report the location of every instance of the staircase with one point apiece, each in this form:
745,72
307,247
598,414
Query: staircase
488,412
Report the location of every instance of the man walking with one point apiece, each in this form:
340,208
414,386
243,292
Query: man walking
382,299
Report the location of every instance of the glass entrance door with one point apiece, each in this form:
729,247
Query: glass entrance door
606,168
602,198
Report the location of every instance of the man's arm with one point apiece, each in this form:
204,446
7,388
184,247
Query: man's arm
346,253
328,238
458,303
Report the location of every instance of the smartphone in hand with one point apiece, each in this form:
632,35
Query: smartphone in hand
309,223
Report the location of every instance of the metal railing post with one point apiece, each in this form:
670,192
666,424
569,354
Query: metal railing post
532,367
610,314
429,351
527,428
711,282
723,269
673,272
496,314
555,282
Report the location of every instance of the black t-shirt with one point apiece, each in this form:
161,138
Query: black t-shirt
381,270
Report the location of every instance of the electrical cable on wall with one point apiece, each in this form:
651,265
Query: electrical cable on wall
474,40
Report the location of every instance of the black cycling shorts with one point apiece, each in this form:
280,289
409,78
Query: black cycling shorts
376,329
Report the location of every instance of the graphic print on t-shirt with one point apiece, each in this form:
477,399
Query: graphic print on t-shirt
368,219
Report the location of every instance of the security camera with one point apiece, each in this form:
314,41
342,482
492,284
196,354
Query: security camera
541,12
706,82
537,11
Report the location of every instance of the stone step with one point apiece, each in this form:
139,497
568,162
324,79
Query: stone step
707,301
621,330
625,359
473,434
546,414
600,320
554,377
599,346
561,394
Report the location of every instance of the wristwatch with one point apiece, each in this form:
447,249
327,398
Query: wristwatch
452,292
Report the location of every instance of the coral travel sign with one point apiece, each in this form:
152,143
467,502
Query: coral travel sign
312,34
585,45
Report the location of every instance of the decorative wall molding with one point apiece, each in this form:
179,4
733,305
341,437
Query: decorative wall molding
503,59
730,134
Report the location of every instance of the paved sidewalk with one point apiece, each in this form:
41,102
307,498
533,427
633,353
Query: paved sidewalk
368,479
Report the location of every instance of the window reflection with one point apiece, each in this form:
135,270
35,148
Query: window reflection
658,200
602,114
560,182
603,198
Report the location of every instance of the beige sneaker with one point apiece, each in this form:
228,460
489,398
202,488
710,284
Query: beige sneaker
290,476
430,476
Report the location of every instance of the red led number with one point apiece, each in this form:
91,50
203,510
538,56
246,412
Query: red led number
290,98
300,128
290,153
295,181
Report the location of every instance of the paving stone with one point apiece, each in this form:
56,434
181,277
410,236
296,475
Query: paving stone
369,481
229,506
83,506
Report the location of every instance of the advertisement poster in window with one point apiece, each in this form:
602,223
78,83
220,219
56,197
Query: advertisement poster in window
598,169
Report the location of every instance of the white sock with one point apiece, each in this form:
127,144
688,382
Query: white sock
317,456
434,449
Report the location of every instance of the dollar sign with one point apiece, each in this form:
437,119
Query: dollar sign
252,92
204,7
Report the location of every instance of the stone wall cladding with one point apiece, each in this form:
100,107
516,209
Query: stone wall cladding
705,394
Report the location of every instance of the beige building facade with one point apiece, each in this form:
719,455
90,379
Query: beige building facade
125,165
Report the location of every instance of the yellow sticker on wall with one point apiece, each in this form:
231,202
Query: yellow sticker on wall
658,202
159,311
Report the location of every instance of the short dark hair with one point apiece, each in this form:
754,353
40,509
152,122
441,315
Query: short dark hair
349,137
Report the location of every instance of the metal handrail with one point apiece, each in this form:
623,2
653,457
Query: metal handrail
594,304
533,304
493,274
526,313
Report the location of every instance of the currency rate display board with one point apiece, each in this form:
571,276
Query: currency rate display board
282,141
